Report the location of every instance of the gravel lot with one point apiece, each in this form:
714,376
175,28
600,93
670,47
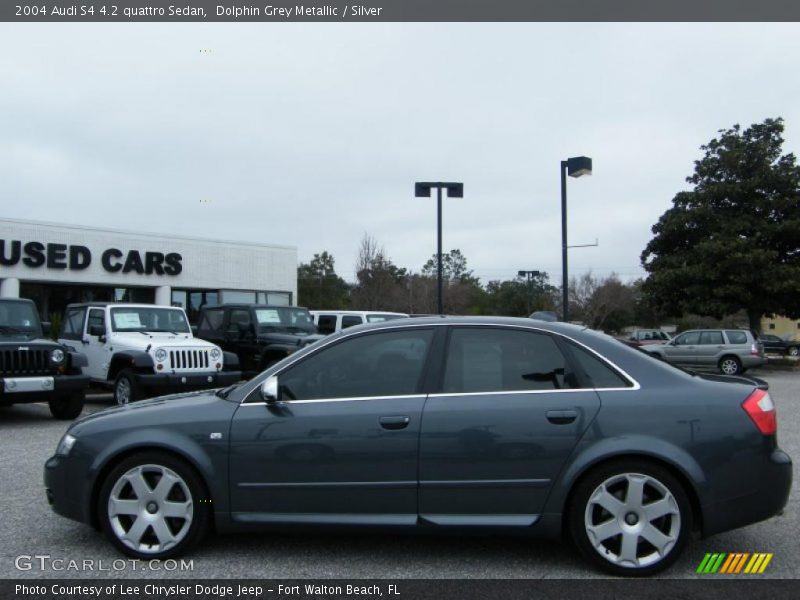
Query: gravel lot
28,527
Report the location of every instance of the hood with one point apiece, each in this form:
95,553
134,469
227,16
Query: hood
14,341
289,339
159,339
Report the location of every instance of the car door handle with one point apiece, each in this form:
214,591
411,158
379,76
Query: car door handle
395,422
561,417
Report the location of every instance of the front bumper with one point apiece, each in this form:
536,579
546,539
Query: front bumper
768,500
187,381
62,481
39,388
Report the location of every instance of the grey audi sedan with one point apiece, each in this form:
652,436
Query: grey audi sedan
438,424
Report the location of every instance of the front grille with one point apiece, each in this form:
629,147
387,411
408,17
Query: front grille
24,362
188,359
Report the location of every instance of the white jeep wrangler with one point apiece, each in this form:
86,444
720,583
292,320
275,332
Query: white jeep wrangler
143,350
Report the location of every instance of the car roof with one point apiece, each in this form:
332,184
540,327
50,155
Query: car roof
554,326
357,312
118,304
250,305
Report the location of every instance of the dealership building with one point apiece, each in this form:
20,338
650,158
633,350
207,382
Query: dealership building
55,265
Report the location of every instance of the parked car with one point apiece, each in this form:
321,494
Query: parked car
35,369
331,321
647,337
259,334
775,345
732,351
494,424
142,350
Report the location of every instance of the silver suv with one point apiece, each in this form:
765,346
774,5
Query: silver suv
732,351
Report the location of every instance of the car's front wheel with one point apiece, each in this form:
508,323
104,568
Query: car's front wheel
154,506
793,351
125,388
630,518
67,407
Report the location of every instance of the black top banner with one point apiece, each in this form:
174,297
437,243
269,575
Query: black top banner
282,11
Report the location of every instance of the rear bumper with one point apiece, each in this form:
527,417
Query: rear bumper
768,500
751,361
39,388
176,382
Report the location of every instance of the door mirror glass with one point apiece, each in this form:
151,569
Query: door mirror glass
269,390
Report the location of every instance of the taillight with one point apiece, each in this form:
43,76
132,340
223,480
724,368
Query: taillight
754,349
761,410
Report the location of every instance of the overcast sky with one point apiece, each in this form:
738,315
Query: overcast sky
311,134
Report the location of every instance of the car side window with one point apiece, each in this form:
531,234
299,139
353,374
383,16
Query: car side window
377,365
212,320
97,316
688,339
504,360
72,326
737,337
350,321
600,374
239,321
711,337
326,324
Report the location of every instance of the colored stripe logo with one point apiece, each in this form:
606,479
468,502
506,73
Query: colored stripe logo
734,563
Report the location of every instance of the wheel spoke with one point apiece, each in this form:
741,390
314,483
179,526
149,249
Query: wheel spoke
162,532
139,484
635,493
659,540
629,545
123,507
135,533
607,501
164,486
659,508
605,530
182,510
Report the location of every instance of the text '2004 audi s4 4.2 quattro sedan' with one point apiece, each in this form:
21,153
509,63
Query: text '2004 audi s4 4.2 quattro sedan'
490,424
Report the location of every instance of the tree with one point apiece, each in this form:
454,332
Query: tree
733,242
318,285
454,268
380,283
510,297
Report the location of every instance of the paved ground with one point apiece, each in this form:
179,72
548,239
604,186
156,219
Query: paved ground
28,527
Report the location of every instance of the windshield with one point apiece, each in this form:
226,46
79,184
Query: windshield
149,318
18,318
284,318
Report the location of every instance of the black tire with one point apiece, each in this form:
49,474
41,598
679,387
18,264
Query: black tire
67,407
606,554
730,365
126,390
191,533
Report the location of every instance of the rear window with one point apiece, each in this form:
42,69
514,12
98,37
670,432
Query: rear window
602,375
737,337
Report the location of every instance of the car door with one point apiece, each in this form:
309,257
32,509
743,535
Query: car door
508,415
681,350
95,347
341,443
710,348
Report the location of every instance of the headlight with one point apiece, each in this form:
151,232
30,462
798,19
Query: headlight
215,354
65,445
57,356
161,355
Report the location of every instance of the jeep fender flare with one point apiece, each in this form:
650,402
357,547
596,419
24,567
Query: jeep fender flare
129,359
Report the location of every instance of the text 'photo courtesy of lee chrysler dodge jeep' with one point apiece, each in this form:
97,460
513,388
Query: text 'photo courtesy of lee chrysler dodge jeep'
141,350
259,334
34,369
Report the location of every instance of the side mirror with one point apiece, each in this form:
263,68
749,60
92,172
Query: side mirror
97,330
269,390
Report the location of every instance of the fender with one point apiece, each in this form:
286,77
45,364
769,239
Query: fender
214,473
77,359
230,361
626,444
129,358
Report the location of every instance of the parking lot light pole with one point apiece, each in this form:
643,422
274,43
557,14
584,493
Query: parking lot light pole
574,167
454,190
529,275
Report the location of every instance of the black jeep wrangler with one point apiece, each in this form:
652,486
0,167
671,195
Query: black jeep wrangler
259,334
34,369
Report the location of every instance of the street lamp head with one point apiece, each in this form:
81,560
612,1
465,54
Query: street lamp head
454,190
521,273
579,166
422,190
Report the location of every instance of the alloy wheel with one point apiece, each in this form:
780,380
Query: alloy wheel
122,392
150,509
729,366
632,520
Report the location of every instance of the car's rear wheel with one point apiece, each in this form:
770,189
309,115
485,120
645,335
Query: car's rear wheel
154,506
67,407
630,518
125,388
730,365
